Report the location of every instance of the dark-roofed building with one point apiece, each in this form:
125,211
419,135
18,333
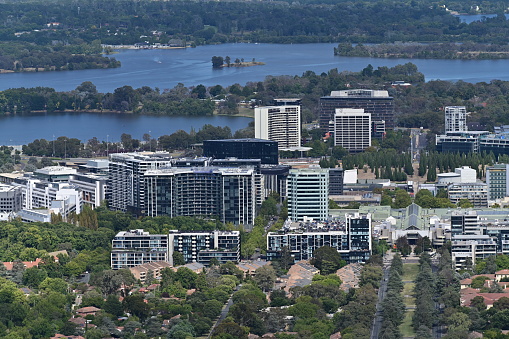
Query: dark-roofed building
250,148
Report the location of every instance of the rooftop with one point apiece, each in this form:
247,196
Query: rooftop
360,93
56,170
208,169
243,140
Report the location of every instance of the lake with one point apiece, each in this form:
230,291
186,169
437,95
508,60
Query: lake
193,66
469,18
22,129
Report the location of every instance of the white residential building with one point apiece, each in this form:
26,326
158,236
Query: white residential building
94,188
308,194
455,119
352,129
41,194
279,123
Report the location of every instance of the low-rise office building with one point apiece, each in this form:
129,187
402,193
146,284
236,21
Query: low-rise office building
476,193
54,173
250,148
466,250
11,198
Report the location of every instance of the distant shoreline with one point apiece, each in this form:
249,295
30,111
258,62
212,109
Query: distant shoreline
145,47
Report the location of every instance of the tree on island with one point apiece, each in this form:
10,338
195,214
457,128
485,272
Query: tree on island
217,62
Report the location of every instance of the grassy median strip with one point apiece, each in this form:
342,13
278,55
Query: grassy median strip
409,274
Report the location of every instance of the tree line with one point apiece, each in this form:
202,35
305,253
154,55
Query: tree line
464,51
72,147
393,308
23,56
179,100
125,22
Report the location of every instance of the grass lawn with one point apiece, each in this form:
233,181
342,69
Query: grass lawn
407,291
406,327
243,112
410,272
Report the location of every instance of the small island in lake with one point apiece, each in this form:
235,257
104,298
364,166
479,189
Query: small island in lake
220,62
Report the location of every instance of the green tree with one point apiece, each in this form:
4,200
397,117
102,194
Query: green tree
200,91
465,203
478,303
182,330
113,306
186,277
402,199
265,277
178,259
33,276
134,304
217,61
403,246
54,284
229,329
327,260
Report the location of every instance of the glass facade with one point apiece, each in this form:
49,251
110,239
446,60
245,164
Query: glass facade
381,108
265,150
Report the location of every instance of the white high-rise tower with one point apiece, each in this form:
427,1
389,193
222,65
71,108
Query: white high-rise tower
455,119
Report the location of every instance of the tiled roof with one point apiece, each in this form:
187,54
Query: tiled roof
250,266
88,309
350,276
150,266
28,264
300,274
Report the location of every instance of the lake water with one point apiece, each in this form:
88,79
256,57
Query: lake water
19,130
192,66
476,17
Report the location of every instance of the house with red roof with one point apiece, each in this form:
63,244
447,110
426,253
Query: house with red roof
499,275
84,311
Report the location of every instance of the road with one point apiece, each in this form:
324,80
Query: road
224,312
382,291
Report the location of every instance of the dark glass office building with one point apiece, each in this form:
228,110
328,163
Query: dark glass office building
336,181
378,103
265,150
